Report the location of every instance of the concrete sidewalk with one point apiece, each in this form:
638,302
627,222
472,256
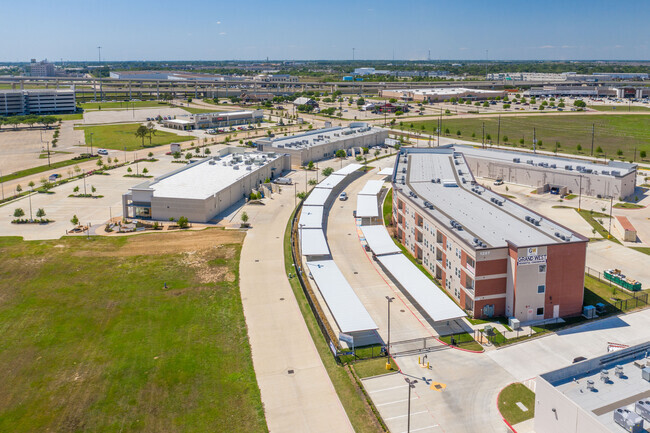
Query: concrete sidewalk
297,393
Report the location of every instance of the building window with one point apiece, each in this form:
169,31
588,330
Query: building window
542,268
540,311
541,288
470,262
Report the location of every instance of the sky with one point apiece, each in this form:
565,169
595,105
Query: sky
327,30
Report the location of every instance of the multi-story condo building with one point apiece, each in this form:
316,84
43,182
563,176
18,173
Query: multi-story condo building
41,69
492,255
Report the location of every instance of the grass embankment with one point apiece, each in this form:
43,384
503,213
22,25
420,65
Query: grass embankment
93,340
373,367
354,401
644,250
119,137
626,205
508,399
599,291
199,110
124,105
612,132
590,217
43,168
388,207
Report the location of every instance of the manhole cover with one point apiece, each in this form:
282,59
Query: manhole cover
256,260
437,386
355,272
401,311
290,371
282,299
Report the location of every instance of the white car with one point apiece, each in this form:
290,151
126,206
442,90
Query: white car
343,196
102,152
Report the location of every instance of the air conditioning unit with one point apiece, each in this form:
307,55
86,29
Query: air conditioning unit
642,407
513,323
629,420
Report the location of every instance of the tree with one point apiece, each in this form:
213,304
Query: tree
579,148
197,150
207,151
505,138
458,133
151,131
642,154
20,188
521,141
561,105
392,100
619,152
76,189
579,103
77,169
340,153
244,219
183,222
188,155
129,170
141,132
150,154
176,155
93,189
447,131
100,163
327,171
310,165
40,213
19,213
599,149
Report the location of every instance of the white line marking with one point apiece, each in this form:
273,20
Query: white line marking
423,428
404,416
385,389
391,402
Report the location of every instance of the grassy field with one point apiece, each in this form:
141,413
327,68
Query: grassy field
118,137
598,291
387,210
590,217
628,206
92,340
73,116
124,105
199,110
508,399
612,132
42,168
373,367
619,108
354,402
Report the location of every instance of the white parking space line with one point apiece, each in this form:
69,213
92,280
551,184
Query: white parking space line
404,416
422,428
385,389
391,402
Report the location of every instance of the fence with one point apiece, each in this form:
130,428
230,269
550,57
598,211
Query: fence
416,345
325,329
638,300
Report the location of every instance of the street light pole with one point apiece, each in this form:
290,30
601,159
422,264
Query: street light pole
411,384
389,299
91,143
580,195
30,204
611,205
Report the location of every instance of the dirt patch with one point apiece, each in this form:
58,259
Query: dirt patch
174,242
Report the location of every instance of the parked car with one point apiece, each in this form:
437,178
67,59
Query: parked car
343,196
498,182
102,152
54,177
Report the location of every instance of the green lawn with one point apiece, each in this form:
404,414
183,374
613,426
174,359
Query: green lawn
619,108
628,206
612,132
590,217
42,168
644,250
92,340
508,399
388,207
118,137
124,105
464,340
598,291
73,116
373,367
199,110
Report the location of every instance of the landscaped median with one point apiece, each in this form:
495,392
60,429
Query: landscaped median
516,403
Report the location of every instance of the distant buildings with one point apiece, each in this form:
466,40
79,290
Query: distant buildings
169,75
41,69
595,91
565,76
439,94
23,102
276,78
215,120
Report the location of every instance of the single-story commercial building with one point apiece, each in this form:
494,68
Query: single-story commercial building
201,190
215,120
323,143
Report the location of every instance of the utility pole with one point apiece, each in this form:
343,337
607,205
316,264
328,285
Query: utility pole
48,154
580,195
534,142
389,299
2,185
499,131
593,127
99,50
439,126
611,205
353,53
91,143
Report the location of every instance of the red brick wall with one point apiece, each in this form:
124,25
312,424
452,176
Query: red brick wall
565,276
493,286
491,267
463,258
499,307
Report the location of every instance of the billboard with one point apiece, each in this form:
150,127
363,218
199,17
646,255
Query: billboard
532,257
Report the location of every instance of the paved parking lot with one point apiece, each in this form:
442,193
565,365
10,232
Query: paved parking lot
137,115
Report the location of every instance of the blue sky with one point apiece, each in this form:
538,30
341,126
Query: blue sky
291,29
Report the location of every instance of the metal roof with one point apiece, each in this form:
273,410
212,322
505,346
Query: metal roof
317,197
331,181
372,187
367,206
311,217
344,304
313,243
385,171
379,240
348,169
435,303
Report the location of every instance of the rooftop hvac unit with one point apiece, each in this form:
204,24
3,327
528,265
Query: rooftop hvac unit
579,167
618,370
568,167
460,172
212,163
604,375
590,385
605,172
530,161
629,420
589,311
517,160
616,173
645,374
642,407
249,168
235,167
553,166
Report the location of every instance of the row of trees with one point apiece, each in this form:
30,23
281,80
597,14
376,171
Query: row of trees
29,120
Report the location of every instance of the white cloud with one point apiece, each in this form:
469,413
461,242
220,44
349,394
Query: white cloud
544,47
218,22
463,48
222,33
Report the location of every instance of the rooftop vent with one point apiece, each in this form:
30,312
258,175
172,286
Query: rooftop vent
517,160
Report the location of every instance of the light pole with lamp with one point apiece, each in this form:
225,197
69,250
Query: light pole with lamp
389,299
411,384
91,143
611,205
30,201
2,185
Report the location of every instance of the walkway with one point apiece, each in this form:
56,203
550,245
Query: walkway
297,393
